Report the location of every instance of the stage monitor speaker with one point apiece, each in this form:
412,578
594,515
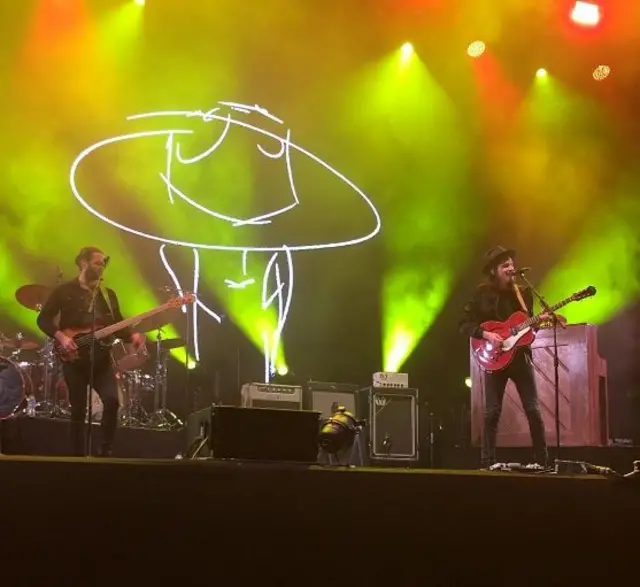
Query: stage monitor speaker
263,434
394,424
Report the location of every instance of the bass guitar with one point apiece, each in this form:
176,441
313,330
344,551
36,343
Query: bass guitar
516,332
83,337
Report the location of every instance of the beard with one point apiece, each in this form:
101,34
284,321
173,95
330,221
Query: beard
92,274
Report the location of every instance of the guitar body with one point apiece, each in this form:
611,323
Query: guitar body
491,357
84,351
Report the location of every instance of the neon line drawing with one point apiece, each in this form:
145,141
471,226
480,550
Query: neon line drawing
276,288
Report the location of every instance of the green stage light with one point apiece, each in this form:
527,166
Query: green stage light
605,256
406,52
400,112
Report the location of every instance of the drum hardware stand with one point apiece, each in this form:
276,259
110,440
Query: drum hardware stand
134,415
162,417
48,406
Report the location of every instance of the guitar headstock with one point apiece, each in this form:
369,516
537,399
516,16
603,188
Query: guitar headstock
179,301
587,292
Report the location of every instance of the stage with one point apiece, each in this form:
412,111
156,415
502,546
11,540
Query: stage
67,521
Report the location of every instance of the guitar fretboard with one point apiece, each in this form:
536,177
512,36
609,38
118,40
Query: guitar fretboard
531,321
109,330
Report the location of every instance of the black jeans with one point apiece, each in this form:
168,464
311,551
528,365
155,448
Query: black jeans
77,375
520,371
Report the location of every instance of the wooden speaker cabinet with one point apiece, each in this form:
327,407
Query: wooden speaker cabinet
583,393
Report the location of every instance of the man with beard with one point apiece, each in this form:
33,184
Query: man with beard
69,307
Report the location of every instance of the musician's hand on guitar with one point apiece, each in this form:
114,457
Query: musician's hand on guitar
138,339
67,343
492,337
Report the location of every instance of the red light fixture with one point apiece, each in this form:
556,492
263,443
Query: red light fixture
586,14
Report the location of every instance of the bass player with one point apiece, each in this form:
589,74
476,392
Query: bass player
70,307
496,299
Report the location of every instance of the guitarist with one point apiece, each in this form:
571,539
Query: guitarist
71,301
497,299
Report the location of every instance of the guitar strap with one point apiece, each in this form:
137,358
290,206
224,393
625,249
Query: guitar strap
516,290
106,297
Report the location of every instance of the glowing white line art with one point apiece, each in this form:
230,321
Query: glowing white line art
172,274
277,280
239,284
198,303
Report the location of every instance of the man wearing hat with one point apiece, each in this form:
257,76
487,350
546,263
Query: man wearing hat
496,299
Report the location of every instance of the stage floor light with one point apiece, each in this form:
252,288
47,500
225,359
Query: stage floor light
542,72
586,14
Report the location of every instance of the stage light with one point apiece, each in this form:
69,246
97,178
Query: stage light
406,51
586,14
140,2
601,72
467,382
541,72
476,49
192,365
282,370
339,431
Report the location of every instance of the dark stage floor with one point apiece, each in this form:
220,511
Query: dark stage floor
90,521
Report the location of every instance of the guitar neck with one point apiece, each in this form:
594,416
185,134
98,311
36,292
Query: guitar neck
113,328
531,321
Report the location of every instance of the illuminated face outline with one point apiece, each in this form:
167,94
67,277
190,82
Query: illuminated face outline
175,192
282,295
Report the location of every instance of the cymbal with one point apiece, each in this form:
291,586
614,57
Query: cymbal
157,321
33,296
18,343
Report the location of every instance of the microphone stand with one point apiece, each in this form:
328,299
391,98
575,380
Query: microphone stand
92,360
556,360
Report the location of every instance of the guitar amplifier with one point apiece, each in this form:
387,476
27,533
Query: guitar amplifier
393,424
325,397
392,380
269,395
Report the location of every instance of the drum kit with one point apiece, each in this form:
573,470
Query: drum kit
31,381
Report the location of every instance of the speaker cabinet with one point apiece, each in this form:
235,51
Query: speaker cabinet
263,434
394,424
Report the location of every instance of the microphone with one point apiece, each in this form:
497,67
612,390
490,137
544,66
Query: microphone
523,270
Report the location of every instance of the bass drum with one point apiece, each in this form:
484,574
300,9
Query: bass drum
15,385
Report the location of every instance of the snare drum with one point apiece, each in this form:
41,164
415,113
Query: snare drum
15,385
126,357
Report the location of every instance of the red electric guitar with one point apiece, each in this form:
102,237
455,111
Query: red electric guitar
516,332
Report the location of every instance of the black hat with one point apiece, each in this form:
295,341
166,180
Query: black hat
495,256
